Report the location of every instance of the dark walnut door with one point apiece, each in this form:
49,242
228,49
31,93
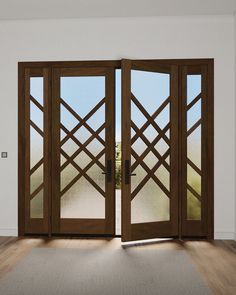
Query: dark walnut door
149,150
83,151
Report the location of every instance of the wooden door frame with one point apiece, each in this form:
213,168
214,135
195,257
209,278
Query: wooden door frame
114,64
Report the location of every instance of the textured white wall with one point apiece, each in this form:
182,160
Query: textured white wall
115,38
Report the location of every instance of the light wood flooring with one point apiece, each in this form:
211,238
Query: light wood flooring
216,260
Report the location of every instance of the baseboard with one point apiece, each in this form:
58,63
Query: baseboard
224,236
8,232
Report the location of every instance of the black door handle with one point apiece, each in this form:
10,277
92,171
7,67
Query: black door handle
108,172
127,172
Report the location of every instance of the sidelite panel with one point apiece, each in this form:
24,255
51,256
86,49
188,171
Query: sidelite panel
149,150
194,146
82,181
36,149
84,151
150,191
197,154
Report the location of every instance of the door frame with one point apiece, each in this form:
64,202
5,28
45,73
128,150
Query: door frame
113,64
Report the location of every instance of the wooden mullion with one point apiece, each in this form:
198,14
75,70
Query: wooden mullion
194,127
155,152
152,145
154,124
194,192
40,132
194,166
39,188
76,141
194,101
83,173
156,113
36,166
37,103
147,169
84,120
75,154
147,177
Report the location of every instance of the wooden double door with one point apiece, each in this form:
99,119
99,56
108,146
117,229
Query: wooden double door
73,166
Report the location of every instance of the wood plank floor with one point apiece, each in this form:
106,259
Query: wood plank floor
216,260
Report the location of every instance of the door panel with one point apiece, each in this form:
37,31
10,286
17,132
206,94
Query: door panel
149,150
83,162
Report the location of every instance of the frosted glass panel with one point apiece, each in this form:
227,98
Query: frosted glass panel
36,179
83,195
150,205
149,202
82,201
193,207
36,206
194,149
36,145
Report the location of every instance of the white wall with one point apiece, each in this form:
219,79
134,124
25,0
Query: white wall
90,39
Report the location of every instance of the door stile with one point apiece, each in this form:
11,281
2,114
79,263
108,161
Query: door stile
126,149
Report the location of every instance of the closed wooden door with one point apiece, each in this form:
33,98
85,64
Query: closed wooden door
83,151
149,150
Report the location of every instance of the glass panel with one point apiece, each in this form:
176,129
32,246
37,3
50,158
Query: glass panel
161,147
36,147
82,200
95,173
140,174
95,147
36,88
164,117
194,147
36,115
139,146
36,179
82,134
150,204
82,93
67,119
193,87
150,88
193,207
164,176
137,116
97,118
150,133
70,147
67,175
194,179
82,160
36,206
194,114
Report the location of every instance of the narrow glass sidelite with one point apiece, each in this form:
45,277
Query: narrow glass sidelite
82,181
194,146
150,186
36,147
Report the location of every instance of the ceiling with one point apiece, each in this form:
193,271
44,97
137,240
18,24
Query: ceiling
33,9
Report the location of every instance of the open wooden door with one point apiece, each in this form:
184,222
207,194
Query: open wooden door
149,150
